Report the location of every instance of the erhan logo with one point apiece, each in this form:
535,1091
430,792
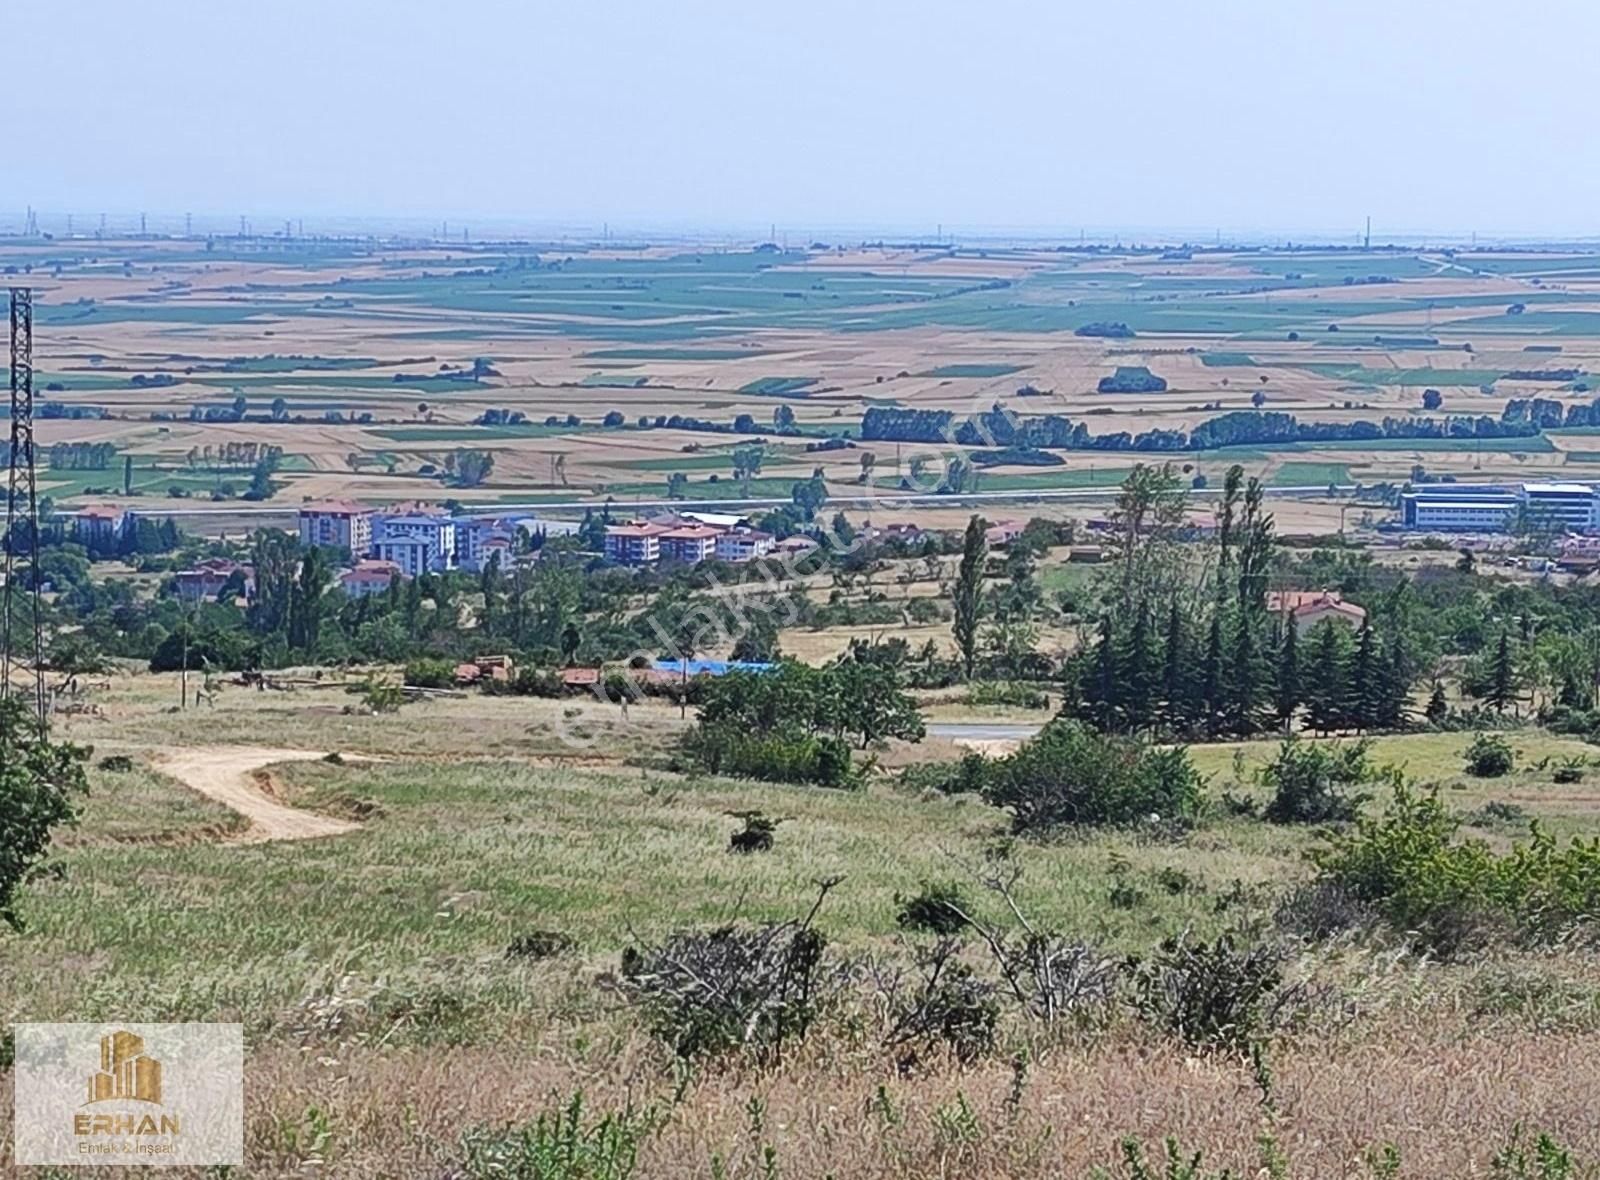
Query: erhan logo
126,1074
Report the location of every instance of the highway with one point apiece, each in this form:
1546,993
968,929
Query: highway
885,502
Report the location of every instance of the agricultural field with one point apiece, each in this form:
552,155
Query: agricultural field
368,363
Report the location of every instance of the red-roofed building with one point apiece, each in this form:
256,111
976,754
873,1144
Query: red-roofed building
98,525
690,543
1003,532
208,577
368,577
744,544
634,544
1309,607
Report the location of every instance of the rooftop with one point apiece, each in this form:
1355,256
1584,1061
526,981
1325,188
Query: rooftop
333,508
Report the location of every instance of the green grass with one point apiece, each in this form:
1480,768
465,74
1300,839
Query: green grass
974,370
1362,375
1227,360
1297,474
427,434
778,386
612,381
674,354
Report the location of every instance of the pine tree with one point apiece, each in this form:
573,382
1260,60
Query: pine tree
1174,680
1138,679
1211,676
1105,698
1365,686
1325,683
1503,675
1246,679
1288,688
1396,694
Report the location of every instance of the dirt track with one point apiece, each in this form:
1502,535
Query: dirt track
224,773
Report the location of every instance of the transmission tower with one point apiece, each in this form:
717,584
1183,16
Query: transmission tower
21,540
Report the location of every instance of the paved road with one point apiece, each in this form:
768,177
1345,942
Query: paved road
887,501
977,731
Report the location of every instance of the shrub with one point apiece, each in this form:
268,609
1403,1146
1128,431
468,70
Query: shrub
1068,774
1459,894
116,763
1318,910
949,1005
708,994
1310,781
1216,995
968,773
756,835
539,944
776,756
382,698
937,908
1490,756
1571,770
563,1144
428,673
1007,692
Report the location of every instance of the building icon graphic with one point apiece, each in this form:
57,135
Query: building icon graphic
125,1071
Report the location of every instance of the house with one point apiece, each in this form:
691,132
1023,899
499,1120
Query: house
208,577
417,544
1086,554
634,544
1002,532
690,543
337,524
99,526
476,536
910,535
1309,607
744,544
797,544
368,577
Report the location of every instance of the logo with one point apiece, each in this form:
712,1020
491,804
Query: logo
126,1071
129,1094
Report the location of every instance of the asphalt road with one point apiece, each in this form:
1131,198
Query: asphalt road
897,499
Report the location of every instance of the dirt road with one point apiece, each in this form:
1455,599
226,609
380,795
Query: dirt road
224,773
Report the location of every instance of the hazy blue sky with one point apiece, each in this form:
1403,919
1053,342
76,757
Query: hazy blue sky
1270,115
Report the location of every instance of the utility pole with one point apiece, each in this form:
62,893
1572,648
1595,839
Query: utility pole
22,499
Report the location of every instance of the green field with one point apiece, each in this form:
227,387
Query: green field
1296,474
778,386
974,370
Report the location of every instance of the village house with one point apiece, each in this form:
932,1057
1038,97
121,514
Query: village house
1309,607
368,577
634,544
208,577
100,525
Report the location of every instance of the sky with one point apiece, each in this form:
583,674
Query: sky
1176,117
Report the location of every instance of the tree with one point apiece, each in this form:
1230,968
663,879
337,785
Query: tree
1175,672
677,485
783,419
39,785
868,461
239,407
1325,693
472,467
1211,675
1432,399
1288,685
1438,709
280,410
968,605
747,460
127,475
1365,686
1258,399
1503,674
809,494
872,705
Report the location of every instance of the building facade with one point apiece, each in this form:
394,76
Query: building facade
416,544
337,524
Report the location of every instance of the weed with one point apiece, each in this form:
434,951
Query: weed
1216,995
539,944
937,908
562,1144
116,764
756,835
